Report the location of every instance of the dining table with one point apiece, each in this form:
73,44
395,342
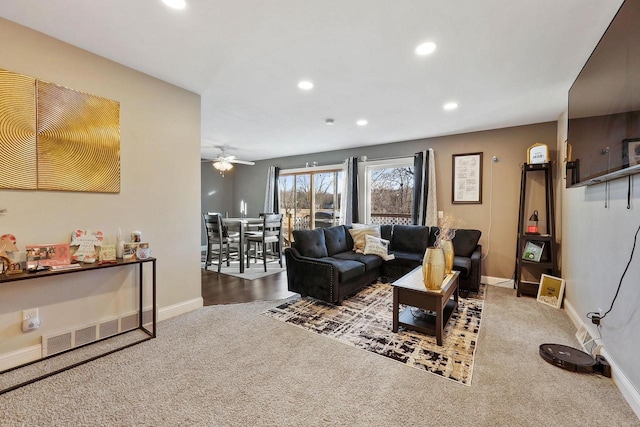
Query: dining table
241,225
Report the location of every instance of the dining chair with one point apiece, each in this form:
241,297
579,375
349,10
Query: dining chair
226,230
268,241
218,240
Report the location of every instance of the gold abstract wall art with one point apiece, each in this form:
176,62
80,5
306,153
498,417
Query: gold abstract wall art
17,131
71,142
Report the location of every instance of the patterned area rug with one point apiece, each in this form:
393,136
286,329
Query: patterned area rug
364,321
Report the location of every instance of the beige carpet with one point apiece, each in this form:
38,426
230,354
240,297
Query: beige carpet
230,366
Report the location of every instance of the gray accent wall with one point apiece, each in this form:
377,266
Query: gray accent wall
597,239
216,193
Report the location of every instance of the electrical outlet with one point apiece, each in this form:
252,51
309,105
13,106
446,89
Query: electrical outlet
440,214
31,313
600,312
30,320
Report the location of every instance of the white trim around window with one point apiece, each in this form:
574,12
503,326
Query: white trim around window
311,169
364,169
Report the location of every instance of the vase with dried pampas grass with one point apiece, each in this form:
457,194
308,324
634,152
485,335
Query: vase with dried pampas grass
444,236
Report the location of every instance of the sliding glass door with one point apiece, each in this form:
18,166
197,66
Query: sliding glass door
310,199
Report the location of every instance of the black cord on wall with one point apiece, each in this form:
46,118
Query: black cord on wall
595,316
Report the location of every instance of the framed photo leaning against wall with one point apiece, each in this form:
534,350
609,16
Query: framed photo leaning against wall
551,290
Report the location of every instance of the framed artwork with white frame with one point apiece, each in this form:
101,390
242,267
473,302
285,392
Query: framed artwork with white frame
551,290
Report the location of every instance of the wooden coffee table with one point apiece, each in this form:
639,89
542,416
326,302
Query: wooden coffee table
410,290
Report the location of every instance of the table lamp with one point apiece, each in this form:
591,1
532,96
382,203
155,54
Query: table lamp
532,225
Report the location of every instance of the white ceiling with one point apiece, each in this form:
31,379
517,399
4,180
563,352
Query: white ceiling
506,63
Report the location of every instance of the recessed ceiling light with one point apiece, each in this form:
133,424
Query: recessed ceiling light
305,85
175,4
362,122
425,48
329,122
450,106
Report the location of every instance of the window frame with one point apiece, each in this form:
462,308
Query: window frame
364,176
311,171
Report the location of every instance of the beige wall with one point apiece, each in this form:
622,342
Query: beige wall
496,217
160,181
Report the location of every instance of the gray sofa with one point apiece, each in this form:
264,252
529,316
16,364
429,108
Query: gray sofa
321,263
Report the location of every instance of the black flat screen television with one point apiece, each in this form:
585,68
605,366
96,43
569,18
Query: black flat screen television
603,134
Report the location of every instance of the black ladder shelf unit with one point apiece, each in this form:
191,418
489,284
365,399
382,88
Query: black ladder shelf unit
548,263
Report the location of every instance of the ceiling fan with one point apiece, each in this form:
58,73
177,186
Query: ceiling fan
224,163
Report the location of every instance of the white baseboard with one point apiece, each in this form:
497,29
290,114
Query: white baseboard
180,308
497,281
34,352
617,375
20,357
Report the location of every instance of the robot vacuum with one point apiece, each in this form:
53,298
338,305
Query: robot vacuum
575,360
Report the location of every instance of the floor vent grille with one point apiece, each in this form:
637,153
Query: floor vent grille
147,317
85,335
588,342
108,328
66,340
128,323
56,344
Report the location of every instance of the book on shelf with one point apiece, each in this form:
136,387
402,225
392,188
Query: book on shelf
533,251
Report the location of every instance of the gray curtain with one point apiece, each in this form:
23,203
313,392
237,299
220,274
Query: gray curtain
349,197
271,198
425,207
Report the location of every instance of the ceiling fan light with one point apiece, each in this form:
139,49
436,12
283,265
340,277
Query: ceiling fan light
425,48
175,4
222,165
305,85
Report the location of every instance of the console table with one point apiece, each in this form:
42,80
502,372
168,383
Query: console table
86,268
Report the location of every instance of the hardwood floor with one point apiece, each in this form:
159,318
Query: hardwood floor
223,289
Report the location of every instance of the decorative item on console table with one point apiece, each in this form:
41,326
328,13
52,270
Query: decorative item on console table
143,251
87,242
41,257
136,250
107,254
119,244
7,265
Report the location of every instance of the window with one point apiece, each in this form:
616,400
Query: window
310,198
388,195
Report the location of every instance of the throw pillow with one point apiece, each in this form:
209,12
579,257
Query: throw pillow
379,247
358,225
358,236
